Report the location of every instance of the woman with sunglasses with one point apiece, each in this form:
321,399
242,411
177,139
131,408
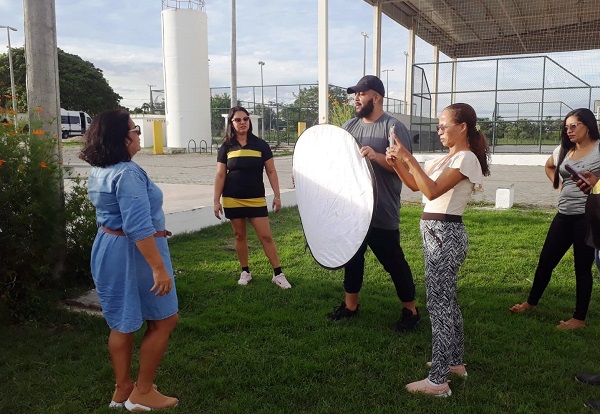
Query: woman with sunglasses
239,186
446,183
131,264
578,149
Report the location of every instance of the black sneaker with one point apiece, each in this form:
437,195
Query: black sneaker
588,379
408,321
593,404
342,312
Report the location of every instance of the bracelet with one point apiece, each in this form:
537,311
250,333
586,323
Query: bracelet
218,204
276,198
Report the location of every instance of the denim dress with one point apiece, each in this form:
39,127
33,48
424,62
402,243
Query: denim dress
126,199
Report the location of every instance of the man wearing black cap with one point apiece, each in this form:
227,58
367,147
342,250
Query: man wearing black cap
371,127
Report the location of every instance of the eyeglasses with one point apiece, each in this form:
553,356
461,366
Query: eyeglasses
136,130
443,127
572,127
245,119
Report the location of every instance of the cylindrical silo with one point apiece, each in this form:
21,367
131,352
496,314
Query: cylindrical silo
185,62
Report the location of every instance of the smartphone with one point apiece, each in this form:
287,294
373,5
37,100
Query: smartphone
576,175
391,138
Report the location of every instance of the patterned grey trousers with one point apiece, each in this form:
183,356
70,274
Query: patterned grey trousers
445,246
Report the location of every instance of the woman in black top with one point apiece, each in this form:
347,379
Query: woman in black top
239,186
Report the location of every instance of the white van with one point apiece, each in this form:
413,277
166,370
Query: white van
74,123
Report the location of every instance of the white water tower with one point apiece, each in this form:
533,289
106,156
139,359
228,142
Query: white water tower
185,67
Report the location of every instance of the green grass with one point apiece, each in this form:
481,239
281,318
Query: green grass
259,349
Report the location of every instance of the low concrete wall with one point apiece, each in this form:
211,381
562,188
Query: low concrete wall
199,218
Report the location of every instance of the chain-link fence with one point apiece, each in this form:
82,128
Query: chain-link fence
282,107
520,102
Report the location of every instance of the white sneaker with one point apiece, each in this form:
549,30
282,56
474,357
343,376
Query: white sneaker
245,277
281,281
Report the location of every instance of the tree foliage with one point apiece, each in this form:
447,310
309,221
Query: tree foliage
219,104
306,106
82,85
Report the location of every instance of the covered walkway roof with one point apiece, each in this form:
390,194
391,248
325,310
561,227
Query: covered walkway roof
475,28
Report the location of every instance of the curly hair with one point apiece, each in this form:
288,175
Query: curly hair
105,142
230,133
586,117
462,112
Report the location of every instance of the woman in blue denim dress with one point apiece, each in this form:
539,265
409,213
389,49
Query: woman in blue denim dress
131,264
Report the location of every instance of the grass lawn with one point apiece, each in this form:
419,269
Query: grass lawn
260,349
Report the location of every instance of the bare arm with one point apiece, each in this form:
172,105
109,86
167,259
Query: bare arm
550,168
410,172
274,180
162,280
218,190
402,171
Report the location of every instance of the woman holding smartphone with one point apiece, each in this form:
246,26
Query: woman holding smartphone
447,183
579,151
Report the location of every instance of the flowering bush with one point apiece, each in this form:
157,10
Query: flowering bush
33,223
339,113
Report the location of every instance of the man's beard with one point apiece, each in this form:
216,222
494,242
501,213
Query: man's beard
366,110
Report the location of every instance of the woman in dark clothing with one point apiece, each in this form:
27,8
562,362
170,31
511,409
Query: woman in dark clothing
579,150
239,186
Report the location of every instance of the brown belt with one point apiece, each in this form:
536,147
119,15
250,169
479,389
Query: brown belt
162,233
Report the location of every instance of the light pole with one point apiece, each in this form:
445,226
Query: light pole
262,97
387,91
233,101
365,35
151,100
405,81
12,76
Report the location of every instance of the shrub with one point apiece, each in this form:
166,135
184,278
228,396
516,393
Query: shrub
81,229
339,113
35,228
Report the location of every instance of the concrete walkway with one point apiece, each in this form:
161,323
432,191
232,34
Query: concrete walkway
187,183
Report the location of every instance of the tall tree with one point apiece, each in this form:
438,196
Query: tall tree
82,85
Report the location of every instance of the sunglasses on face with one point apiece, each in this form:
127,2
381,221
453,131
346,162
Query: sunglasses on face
442,128
571,127
245,119
136,130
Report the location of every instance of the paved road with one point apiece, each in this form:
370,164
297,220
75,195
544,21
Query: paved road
187,179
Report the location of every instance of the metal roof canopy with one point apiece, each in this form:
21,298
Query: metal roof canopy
476,28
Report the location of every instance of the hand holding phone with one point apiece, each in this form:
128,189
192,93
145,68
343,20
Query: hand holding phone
576,175
391,137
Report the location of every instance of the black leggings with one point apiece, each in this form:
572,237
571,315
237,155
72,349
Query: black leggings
385,244
563,232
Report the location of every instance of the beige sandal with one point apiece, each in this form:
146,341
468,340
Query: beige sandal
521,307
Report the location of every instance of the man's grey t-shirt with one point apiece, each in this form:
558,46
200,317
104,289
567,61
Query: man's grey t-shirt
375,135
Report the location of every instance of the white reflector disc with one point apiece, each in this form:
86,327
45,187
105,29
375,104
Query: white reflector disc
335,191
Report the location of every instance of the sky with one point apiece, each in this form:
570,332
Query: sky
123,39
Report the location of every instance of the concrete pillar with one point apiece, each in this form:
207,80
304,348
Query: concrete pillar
411,62
41,57
436,73
43,95
377,12
323,62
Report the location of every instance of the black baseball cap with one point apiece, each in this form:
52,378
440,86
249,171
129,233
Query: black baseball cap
368,82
